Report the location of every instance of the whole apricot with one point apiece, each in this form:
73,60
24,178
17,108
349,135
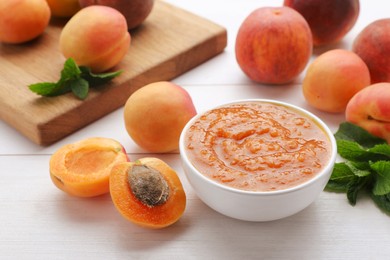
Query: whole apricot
147,192
155,115
96,37
333,78
83,168
329,20
135,11
63,8
273,45
370,109
372,44
23,20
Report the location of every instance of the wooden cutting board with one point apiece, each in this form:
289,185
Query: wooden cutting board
170,42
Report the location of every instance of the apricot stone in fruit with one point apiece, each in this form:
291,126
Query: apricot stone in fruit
135,11
155,115
273,45
96,37
63,8
329,20
23,20
333,78
373,45
370,109
151,196
83,168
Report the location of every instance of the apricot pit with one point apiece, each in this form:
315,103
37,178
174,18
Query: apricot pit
147,192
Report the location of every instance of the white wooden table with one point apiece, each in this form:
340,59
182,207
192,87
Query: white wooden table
38,221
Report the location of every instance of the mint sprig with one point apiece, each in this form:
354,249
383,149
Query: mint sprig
75,79
366,166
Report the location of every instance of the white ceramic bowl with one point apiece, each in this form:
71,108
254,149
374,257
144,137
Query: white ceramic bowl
253,205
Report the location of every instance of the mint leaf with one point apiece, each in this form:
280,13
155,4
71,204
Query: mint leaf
354,133
75,79
382,149
355,152
70,71
98,79
359,169
366,166
341,176
356,185
382,182
79,88
43,89
382,201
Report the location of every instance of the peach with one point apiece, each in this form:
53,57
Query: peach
333,78
273,45
135,11
155,115
63,8
83,168
96,37
23,20
329,20
370,109
372,44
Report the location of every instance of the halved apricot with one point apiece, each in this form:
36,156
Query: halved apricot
147,192
83,168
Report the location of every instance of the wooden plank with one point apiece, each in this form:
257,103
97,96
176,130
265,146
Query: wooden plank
170,42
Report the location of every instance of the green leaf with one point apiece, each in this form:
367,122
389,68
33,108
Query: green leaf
382,201
354,187
70,71
360,169
73,79
353,151
342,173
335,186
340,177
354,133
382,182
43,89
79,88
382,149
98,79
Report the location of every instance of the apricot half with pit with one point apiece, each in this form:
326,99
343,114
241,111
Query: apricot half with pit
83,168
147,192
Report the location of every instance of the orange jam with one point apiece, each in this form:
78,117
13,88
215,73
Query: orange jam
257,146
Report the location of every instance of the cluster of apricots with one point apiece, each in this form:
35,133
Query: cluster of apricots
147,192
96,33
275,44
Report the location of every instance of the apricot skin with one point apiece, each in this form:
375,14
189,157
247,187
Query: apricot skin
273,45
135,211
156,114
372,44
135,11
370,109
23,20
82,169
329,20
63,8
333,78
96,37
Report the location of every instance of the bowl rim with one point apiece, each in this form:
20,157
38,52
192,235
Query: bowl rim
328,167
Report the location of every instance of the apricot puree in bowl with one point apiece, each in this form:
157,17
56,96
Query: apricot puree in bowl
257,148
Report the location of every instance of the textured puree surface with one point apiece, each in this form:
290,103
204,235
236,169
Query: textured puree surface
257,146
